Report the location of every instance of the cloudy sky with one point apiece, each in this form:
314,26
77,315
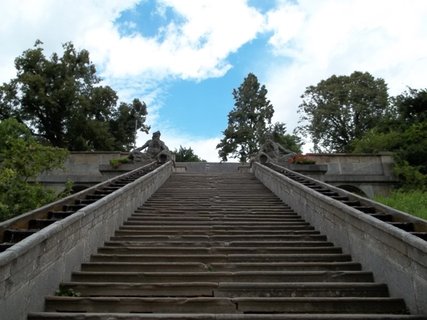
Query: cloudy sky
184,57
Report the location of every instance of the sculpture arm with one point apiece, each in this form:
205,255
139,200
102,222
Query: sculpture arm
145,145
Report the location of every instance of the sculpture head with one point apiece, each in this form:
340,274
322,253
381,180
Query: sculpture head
156,134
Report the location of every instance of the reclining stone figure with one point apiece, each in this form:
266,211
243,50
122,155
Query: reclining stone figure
272,151
156,150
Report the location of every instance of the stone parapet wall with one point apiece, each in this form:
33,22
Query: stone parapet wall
83,168
355,163
34,267
394,256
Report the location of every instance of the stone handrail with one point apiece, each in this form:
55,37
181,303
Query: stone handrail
34,267
393,255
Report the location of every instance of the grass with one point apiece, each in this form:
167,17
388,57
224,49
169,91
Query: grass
412,202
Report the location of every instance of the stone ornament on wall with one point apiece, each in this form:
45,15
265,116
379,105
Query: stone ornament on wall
272,151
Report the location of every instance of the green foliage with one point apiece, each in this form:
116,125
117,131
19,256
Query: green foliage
413,202
23,158
61,99
340,109
115,163
288,141
411,106
247,122
404,134
186,155
410,177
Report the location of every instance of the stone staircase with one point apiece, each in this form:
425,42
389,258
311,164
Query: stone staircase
220,246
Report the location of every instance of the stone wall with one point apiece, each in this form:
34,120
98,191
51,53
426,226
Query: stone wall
355,163
80,167
394,256
366,174
34,267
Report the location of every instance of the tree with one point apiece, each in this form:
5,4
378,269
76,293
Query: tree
340,109
289,141
186,155
22,158
61,100
405,134
411,106
247,122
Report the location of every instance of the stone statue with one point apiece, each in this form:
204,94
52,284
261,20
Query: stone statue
272,151
156,150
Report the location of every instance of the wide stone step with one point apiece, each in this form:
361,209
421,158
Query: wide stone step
207,215
241,276
219,244
123,236
225,305
221,258
226,289
215,211
208,316
215,223
168,266
224,228
219,250
213,219
213,232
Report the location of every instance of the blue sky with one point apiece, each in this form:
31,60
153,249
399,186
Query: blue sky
185,57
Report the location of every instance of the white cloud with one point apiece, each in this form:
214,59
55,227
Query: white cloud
53,22
196,48
322,38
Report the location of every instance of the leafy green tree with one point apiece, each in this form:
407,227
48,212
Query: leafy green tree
289,141
248,122
61,100
186,155
23,158
405,134
411,106
340,109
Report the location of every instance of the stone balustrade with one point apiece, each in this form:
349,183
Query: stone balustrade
393,255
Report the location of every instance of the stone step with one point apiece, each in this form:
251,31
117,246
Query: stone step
221,258
217,250
168,266
219,244
215,238
214,232
219,215
226,289
225,305
208,316
211,219
218,227
216,223
228,209
240,276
